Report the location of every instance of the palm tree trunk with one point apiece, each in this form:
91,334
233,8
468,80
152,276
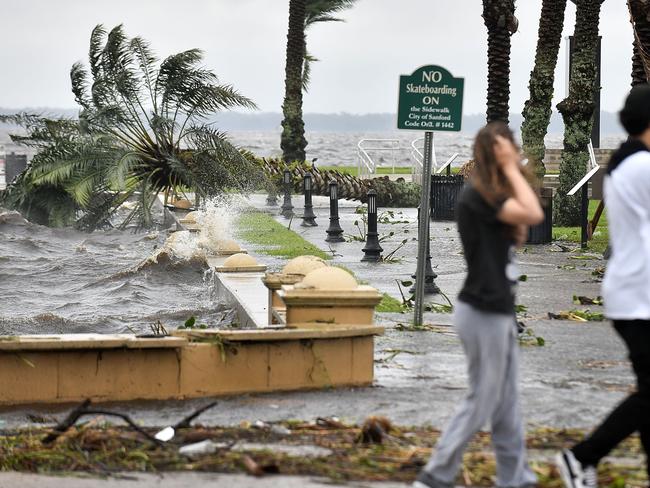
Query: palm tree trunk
537,110
638,71
501,23
639,13
293,141
577,111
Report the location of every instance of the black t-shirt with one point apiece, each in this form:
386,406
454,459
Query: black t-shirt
489,251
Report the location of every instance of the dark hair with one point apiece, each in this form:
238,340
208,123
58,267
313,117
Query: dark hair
635,115
487,177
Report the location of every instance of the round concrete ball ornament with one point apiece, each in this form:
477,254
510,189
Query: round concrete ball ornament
329,278
303,265
228,245
183,204
240,260
191,217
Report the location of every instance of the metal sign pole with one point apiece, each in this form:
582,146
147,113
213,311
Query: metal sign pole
423,229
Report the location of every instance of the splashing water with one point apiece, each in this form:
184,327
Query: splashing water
65,281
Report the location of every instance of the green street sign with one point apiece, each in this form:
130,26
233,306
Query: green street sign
430,99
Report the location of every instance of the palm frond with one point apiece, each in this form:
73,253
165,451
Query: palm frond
79,80
96,47
306,70
323,10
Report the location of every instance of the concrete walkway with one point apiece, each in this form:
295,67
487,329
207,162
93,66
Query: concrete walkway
178,480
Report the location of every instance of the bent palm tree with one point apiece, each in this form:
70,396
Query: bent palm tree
141,130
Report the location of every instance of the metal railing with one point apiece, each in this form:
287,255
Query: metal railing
418,160
366,164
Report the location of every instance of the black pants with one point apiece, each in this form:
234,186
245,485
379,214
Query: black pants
633,415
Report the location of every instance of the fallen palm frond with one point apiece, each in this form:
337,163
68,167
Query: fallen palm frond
578,316
103,449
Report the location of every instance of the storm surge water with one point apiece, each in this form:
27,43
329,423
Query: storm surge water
66,281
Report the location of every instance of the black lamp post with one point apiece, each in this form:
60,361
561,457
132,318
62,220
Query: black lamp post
372,250
430,287
334,231
287,206
272,197
308,217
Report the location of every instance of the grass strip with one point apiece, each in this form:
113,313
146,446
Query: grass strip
275,239
599,241
102,449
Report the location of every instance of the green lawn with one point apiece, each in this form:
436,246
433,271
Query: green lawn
601,236
277,240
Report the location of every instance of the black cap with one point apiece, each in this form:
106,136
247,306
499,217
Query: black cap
635,115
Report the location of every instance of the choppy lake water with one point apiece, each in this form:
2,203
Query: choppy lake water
65,281
340,148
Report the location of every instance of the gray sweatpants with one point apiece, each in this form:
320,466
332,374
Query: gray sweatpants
491,346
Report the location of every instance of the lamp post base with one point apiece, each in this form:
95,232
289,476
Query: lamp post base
372,250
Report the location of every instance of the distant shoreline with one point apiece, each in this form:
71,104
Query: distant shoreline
335,122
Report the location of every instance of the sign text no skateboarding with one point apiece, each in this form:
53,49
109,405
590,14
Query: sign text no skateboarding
430,99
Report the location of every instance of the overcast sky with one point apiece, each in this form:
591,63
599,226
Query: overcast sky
245,40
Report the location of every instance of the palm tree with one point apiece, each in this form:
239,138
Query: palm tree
317,11
537,110
141,130
292,141
640,18
501,23
577,111
302,15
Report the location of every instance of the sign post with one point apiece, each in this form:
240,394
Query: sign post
430,99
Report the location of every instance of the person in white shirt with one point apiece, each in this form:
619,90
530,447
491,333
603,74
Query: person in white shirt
626,291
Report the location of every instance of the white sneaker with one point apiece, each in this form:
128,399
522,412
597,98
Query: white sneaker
573,473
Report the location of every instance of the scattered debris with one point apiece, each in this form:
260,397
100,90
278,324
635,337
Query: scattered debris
374,430
102,449
165,435
564,248
582,300
599,272
521,309
527,336
40,419
567,267
158,329
255,469
84,409
199,448
578,316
